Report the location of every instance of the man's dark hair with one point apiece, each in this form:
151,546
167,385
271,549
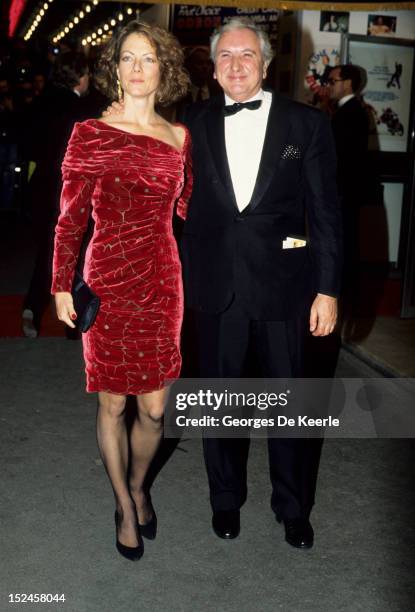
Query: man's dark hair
69,68
348,71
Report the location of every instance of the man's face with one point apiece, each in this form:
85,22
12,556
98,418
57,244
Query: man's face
338,88
83,84
239,65
38,82
4,86
199,67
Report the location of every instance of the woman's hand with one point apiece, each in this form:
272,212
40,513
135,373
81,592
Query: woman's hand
64,308
116,108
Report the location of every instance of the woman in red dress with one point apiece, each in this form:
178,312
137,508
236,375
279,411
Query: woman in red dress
132,171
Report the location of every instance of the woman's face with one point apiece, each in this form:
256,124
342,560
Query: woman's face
139,68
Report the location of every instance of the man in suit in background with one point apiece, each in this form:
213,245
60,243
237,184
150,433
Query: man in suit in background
53,116
202,84
350,125
262,163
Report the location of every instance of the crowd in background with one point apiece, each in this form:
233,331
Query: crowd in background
28,83
26,80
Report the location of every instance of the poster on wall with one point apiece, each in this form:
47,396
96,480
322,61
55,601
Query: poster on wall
388,69
193,25
381,25
320,63
334,22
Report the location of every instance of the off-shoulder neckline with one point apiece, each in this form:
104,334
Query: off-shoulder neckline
147,136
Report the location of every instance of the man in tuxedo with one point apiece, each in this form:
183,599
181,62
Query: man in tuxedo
350,125
262,163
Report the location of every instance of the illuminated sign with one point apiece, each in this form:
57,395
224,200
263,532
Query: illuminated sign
15,12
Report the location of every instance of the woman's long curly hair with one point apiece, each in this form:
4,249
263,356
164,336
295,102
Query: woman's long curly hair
174,80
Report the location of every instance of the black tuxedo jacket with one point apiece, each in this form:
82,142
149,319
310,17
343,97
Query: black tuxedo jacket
350,125
226,253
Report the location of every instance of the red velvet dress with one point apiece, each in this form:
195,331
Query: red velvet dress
133,183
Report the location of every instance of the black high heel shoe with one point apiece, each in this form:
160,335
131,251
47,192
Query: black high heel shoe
149,529
132,553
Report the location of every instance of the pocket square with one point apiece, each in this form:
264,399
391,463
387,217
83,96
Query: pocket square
291,151
293,243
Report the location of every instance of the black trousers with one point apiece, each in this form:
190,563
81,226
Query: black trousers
38,296
231,345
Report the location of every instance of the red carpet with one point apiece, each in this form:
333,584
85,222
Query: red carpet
11,318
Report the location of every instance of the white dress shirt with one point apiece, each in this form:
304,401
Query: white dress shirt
345,99
244,140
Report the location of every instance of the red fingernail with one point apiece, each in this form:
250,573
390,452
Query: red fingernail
73,317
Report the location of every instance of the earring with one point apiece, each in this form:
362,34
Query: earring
119,90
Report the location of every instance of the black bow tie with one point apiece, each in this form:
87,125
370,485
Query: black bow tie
231,109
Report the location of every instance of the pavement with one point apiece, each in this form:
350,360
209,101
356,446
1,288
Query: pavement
56,514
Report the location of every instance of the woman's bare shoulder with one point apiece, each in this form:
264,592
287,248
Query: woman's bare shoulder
180,133
111,119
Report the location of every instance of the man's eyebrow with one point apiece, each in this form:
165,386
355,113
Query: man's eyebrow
242,50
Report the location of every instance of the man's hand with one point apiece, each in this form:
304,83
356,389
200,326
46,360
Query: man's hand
116,108
323,315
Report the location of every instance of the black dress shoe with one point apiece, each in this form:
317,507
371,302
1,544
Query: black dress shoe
132,553
226,524
299,533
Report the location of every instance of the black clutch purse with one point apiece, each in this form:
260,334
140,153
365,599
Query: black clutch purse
85,302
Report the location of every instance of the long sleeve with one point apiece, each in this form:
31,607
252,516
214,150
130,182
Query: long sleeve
184,198
323,210
75,205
